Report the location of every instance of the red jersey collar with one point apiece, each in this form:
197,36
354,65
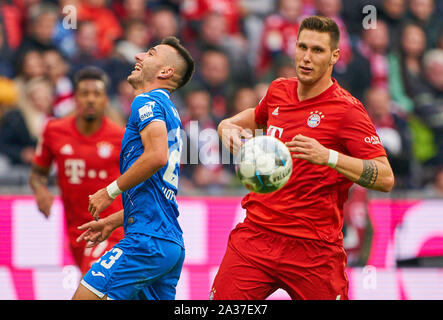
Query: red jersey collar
81,135
320,96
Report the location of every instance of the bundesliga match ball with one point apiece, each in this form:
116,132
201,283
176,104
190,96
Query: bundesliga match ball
264,164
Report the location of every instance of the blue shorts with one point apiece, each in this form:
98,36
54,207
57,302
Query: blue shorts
139,267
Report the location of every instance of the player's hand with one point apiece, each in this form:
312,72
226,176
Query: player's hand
95,232
232,136
309,149
44,200
98,202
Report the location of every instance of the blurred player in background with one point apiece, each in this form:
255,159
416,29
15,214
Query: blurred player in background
85,148
292,238
147,263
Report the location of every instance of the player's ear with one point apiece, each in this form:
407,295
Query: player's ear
335,56
166,72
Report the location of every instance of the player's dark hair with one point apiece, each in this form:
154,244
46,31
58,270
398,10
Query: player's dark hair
322,24
91,73
184,53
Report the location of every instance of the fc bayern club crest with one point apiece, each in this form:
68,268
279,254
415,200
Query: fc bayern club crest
315,118
104,149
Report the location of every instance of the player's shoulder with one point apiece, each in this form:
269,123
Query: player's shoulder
161,94
344,96
58,124
113,126
141,100
284,81
282,87
154,99
153,95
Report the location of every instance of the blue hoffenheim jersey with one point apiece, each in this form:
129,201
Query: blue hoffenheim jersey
150,208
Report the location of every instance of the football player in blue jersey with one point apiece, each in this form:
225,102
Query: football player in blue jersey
146,264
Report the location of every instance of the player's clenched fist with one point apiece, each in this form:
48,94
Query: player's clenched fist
98,202
309,149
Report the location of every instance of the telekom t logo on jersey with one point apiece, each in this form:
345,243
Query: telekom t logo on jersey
274,131
75,170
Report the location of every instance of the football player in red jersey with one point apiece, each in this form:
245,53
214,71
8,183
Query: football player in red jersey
85,148
292,238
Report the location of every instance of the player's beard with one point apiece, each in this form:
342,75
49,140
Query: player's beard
138,78
90,118
148,74
135,80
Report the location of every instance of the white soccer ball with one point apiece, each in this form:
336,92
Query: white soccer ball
264,164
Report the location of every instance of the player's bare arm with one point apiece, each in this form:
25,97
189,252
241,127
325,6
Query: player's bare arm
373,173
155,156
98,231
232,130
38,180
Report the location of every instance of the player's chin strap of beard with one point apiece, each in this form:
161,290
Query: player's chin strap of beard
333,158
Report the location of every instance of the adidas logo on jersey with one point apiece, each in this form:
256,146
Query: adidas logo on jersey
275,112
67,149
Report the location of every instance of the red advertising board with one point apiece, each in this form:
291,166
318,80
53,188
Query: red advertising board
35,262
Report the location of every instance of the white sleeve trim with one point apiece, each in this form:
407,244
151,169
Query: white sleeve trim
92,289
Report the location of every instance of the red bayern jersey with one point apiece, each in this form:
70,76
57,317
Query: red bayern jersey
85,164
310,205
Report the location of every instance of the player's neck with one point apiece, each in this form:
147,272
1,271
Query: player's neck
308,91
88,128
151,86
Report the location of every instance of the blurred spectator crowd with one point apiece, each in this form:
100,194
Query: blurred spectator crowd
240,46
